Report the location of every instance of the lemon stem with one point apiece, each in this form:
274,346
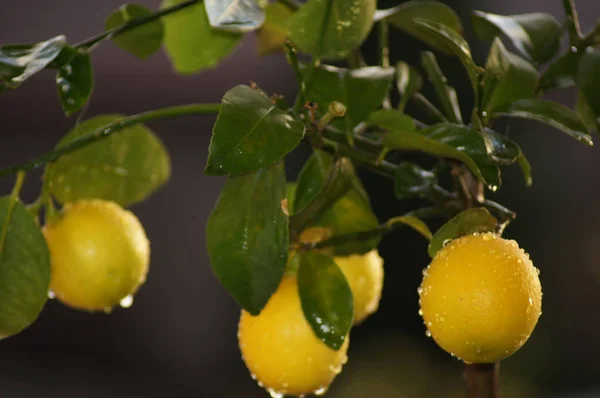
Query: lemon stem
482,380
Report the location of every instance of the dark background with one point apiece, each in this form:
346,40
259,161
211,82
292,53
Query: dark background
179,338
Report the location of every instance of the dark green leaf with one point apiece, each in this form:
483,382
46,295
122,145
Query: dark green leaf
536,36
585,113
125,168
551,113
361,90
234,15
273,34
408,81
507,78
468,222
392,120
414,222
332,28
247,236
525,169
312,178
24,268
336,184
562,72
588,81
446,94
291,196
250,133
411,180
404,15
142,41
192,45
326,298
18,62
75,82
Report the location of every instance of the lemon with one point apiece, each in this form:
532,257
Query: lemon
481,298
364,274
281,350
99,255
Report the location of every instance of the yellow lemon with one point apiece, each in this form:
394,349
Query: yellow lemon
281,350
99,254
481,298
364,274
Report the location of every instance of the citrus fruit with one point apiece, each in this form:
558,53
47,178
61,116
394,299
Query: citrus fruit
281,350
481,298
364,274
99,255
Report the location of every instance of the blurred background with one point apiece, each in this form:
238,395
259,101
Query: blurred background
179,337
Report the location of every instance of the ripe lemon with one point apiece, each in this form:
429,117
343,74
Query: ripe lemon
99,254
481,298
364,274
281,350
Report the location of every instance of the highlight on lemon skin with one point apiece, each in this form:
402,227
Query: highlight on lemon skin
364,274
99,255
481,298
281,350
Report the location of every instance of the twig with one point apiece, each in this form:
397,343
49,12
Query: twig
572,22
482,380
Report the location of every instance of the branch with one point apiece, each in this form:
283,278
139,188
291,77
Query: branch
108,130
572,22
482,380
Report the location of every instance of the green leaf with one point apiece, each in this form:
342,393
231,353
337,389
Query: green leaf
408,81
75,82
561,73
411,180
451,42
18,62
336,184
361,90
587,79
414,222
333,28
312,178
392,120
525,169
326,298
142,41
24,268
125,168
271,37
551,113
250,133
468,222
234,15
247,236
536,36
291,196
585,113
507,78
448,147
192,45
404,17
446,94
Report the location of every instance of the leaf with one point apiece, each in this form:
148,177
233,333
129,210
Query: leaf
392,120
445,93
18,62
75,82
333,28
272,35
337,183
142,41
404,17
408,81
361,90
451,42
234,15
536,36
468,222
312,178
525,169
410,180
192,45
326,298
247,236
250,133
409,141
551,113
290,196
587,79
585,113
414,222
561,73
507,78
24,268
125,167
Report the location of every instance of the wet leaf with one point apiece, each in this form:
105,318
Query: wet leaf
561,73
446,94
234,15
587,79
411,180
392,120
142,41
75,82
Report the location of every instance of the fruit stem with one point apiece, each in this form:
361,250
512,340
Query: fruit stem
482,380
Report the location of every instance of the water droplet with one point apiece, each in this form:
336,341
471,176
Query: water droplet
484,114
493,188
321,391
419,290
126,302
51,295
274,394
487,236
428,333
574,49
335,369
537,270
530,301
478,350
420,312
446,242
